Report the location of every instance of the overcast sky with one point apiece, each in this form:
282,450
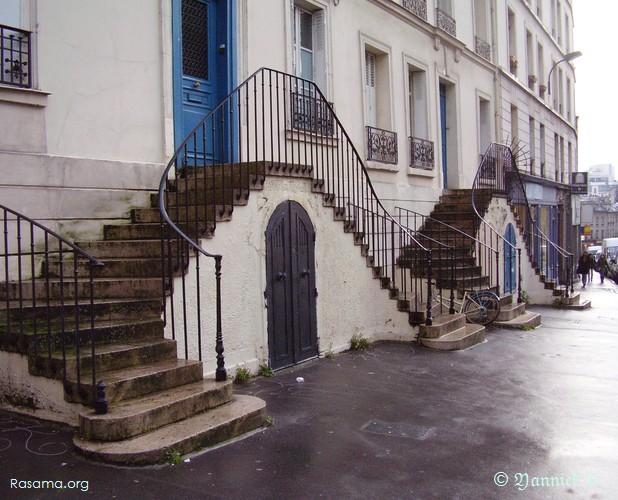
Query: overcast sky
596,73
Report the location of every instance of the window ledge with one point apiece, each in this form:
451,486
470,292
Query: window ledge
376,165
28,97
421,172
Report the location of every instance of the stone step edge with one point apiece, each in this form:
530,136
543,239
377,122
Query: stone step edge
241,415
524,321
146,413
462,338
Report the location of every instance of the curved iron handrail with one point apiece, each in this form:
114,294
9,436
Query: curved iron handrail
273,121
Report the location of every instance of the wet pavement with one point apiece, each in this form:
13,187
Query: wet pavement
527,414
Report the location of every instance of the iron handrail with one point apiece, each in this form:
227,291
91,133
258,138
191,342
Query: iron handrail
32,286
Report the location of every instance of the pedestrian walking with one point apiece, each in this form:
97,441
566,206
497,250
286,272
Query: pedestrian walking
584,265
602,267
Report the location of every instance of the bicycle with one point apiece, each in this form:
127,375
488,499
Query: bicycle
479,306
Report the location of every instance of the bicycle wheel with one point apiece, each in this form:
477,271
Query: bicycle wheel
481,307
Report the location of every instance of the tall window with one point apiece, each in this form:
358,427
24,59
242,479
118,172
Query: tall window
531,72
532,142
484,125
310,45
418,104
513,63
514,124
371,102
542,149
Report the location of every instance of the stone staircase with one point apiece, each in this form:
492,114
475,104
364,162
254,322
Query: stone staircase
158,404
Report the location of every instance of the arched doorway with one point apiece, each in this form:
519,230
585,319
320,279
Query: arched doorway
510,260
290,286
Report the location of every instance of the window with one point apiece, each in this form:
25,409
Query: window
542,149
15,44
421,149
309,110
514,124
513,63
532,142
382,144
484,125
310,46
531,72
541,66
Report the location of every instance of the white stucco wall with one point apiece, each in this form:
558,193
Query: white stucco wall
349,300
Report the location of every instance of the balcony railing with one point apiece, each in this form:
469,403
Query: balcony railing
482,48
15,57
446,22
310,114
417,7
381,145
421,153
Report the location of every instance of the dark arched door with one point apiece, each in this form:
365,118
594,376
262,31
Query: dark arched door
290,286
510,260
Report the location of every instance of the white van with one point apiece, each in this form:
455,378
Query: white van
610,248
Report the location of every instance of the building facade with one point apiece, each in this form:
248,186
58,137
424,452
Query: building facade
95,98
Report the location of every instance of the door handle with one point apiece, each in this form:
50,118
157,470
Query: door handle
282,276
305,273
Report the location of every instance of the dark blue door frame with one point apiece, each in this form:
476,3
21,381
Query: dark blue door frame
443,133
510,260
198,92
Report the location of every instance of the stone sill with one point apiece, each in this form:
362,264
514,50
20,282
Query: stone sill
27,97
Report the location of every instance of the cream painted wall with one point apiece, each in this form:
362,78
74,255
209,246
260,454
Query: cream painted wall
349,300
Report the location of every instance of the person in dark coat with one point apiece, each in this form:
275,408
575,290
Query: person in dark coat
584,265
602,267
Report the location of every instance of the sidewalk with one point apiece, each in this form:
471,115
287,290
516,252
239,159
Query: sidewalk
527,414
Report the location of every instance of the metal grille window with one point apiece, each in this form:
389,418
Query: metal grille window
15,66
195,38
381,145
421,153
311,114
417,7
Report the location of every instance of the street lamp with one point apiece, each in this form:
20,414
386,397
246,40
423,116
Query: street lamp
567,57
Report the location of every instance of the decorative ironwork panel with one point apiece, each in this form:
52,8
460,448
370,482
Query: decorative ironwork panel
446,22
421,153
311,114
15,57
482,48
195,39
382,145
417,7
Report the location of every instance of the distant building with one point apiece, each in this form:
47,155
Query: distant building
601,180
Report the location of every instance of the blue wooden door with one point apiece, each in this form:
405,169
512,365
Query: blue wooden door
510,260
201,61
443,133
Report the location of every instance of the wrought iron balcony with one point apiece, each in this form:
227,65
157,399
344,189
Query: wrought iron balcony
417,7
15,57
446,22
310,114
421,153
381,145
482,48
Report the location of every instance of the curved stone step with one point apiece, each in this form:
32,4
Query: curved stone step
140,415
241,415
524,321
462,338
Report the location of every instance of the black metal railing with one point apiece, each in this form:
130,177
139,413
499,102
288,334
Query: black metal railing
482,48
15,60
421,153
417,7
254,131
498,174
48,301
445,22
381,145
463,258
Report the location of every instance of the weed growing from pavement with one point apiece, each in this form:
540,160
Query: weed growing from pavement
242,376
358,342
265,371
173,457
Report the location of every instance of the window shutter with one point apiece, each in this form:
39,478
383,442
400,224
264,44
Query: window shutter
419,100
370,88
319,50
